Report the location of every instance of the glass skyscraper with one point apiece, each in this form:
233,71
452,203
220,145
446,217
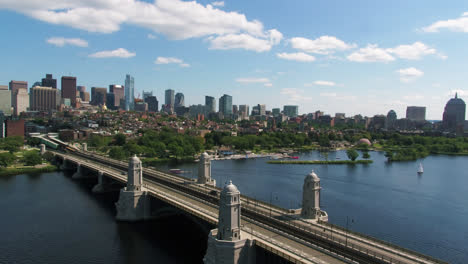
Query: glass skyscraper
129,93
225,105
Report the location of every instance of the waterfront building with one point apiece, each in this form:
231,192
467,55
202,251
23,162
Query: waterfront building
152,102
119,93
43,98
291,110
225,105
454,113
48,81
416,113
129,93
210,104
69,89
169,100
98,96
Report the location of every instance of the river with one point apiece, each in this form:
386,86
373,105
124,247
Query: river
50,218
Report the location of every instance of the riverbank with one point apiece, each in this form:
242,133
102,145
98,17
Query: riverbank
320,162
27,169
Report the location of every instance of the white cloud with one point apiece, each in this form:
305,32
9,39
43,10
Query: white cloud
218,3
412,52
118,53
60,41
175,19
409,74
246,41
321,45
295,95
152,36
459,24
171,60
268,84
324,83
253,80
299,56
371,53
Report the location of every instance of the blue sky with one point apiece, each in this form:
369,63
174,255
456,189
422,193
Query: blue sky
336,56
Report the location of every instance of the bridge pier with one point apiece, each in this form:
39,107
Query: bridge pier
104,184
78,174
204,170
227,243
42,147
134,203
311,199
85,146
64,165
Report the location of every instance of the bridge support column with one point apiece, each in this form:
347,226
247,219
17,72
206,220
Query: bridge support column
78,174
227,244
134,201
42,147
64,164
103,185
85,146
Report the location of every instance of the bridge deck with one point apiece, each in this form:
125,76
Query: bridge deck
282,233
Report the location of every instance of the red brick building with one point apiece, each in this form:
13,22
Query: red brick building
15,128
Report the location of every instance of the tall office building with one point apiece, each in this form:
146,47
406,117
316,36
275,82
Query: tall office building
14,87
84,96
454,113
210,104
147,94
43,98
119,94
262,109
416,113
244,111
98,96
169,99
225,105
5,100
129,93
48,81
69,89
291,110
276,111
152,102
391,119
179,100
21,101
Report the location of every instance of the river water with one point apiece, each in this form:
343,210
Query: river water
50,218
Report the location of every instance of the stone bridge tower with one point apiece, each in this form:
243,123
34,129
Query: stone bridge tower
311,198
134,202
204,170
225,244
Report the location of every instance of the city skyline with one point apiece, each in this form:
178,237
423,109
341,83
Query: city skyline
330,55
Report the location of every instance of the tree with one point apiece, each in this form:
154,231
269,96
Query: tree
6,159
32,158
12,144
117,153
120,139
366,155
352,154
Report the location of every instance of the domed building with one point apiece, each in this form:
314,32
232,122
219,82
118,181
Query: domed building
454,113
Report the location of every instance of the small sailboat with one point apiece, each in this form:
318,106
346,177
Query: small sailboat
420,169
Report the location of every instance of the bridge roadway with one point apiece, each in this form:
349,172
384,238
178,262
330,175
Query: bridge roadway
272,228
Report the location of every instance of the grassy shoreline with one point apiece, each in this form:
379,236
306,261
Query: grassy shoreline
320,162
23,170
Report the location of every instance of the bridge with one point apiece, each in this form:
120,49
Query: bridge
240,229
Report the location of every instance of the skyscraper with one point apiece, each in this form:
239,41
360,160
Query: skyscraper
14,87
69,89
98,96
454,113
129,93
43,98
152,102
48,81
179,100
119,94
169,100
225,105
391,119
147,94
262,109
5,100
210,104
291,110
21,101
244,111
416,113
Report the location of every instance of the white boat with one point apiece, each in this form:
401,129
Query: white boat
420,169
